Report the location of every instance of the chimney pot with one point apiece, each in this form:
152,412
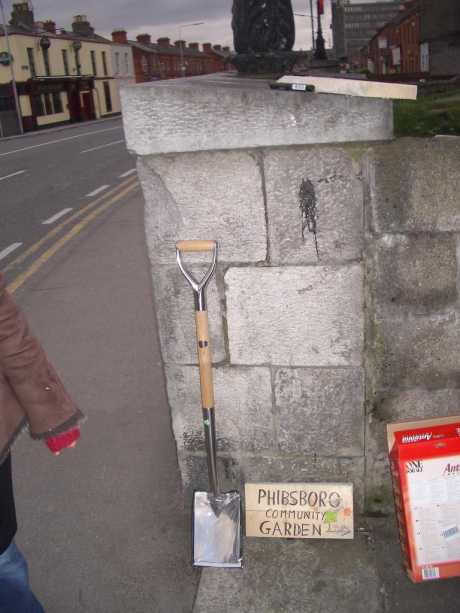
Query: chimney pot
49,26
217,47
163,42
144,39
82,26
194,46
180,43
207,47
22,14
120,36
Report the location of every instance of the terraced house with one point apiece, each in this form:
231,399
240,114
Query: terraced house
61,76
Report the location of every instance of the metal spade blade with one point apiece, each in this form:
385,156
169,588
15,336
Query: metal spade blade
217,530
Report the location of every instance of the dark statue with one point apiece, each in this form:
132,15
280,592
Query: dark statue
264,34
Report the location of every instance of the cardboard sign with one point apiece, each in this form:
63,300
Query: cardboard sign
425,466
299,510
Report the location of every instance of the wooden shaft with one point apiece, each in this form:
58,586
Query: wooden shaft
204,359
195,246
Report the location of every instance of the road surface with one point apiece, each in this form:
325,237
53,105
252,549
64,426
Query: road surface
104,526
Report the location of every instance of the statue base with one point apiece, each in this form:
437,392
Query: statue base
273,63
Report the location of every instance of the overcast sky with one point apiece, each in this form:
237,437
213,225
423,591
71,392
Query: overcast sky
164,17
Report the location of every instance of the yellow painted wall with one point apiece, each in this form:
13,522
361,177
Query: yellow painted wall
26,109
19,45
46,120
99,97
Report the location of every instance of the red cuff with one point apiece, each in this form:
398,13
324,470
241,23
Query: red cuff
61,441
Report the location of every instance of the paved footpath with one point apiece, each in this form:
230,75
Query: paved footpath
104,526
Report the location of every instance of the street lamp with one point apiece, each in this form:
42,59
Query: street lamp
13,80
320,49
312,26
183,68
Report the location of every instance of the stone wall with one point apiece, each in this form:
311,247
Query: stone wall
412,315
299,394
286,308
334,307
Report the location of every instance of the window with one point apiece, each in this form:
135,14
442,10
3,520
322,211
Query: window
37,106
117,62
7,103
144,64
77,61
108,99
46,60
93,62
48,104
126,63
57,102
65,60
104,64
30,55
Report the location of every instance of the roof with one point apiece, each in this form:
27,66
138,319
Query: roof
170,50
62,35
173,50
400,18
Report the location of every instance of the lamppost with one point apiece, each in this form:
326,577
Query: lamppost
13,80
183,67
312,25
320,50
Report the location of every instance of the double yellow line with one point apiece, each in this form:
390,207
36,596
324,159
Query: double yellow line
87,213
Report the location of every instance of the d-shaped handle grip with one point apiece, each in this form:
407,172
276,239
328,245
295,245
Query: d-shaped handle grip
195,246
198,287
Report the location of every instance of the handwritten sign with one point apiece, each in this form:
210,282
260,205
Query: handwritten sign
299,510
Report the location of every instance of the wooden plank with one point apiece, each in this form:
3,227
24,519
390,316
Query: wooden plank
355,87
299,510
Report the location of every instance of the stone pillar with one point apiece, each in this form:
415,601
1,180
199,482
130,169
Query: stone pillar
276,178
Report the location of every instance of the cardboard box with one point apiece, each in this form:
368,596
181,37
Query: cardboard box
425,466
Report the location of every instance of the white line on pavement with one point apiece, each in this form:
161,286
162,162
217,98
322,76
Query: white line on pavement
60,140
56,217
13,174
8,250
115,142
127,173
97,191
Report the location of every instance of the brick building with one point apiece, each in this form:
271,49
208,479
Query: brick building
62,76
395,49
163,60
422,40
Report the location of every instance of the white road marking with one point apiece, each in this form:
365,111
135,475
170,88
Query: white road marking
127,173
97,191
60,140
8,250
115,142
13,174
56,217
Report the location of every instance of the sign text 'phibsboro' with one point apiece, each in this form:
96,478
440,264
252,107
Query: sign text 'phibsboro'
289,510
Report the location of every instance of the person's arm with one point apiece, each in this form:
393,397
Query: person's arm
49,409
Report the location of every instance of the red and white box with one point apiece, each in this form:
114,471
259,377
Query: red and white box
425,466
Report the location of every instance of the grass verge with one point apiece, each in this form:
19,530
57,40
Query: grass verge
429,115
